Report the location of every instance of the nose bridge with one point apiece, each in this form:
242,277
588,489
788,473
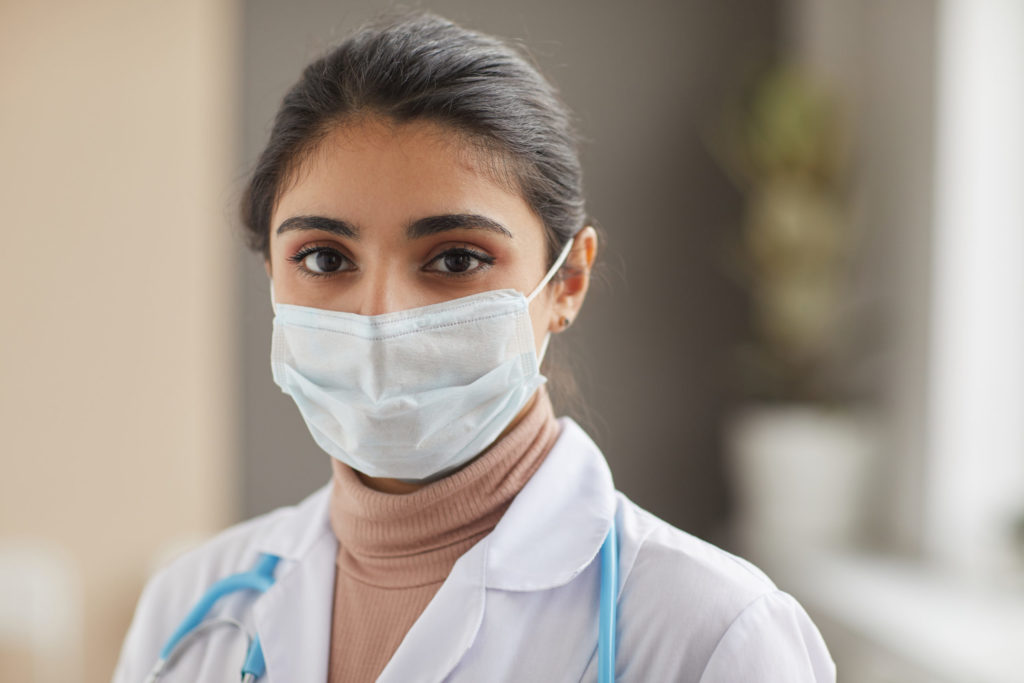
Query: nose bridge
378,291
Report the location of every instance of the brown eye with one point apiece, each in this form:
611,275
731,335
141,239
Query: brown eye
460,262
323,261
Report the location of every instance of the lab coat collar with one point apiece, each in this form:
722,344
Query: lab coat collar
299,528
551,532
548,535
555,526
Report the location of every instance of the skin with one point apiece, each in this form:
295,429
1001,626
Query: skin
376,177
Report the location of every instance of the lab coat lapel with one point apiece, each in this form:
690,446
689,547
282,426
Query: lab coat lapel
448,626
293,618
556,525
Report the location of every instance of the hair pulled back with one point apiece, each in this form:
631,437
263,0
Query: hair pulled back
421,66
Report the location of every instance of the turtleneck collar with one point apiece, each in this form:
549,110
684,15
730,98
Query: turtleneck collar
413,539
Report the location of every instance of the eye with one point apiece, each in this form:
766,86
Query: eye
459,261
321,261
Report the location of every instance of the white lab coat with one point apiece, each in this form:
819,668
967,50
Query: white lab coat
520,605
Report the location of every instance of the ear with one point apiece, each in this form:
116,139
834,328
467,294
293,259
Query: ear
572,288
266,267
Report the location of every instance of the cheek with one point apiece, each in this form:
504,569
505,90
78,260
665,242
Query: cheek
287,286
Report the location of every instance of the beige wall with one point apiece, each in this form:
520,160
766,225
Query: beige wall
116,151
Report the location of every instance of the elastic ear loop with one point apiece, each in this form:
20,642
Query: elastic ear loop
547,278
551,272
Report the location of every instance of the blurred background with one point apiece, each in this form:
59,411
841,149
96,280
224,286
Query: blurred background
804,343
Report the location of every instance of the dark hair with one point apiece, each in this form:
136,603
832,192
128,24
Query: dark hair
421,66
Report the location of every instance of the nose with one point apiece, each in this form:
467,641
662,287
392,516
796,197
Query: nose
380,290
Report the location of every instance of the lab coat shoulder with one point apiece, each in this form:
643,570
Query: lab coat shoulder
691,611
174,588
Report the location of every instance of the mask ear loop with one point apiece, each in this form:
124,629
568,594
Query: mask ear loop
551,273
543,348
547,278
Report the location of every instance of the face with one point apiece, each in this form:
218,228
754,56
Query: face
384,217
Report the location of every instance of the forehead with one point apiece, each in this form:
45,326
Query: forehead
384,171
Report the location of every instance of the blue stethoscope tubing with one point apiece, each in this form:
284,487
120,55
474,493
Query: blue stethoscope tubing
261,578
608,610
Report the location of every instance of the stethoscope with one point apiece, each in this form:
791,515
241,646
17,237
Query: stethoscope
261,577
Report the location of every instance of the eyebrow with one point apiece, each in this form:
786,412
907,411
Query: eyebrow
330,225
431,225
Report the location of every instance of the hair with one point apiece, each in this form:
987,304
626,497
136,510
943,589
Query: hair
419,66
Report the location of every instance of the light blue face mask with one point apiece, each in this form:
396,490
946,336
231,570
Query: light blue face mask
413,394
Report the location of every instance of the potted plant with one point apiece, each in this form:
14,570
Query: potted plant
801,445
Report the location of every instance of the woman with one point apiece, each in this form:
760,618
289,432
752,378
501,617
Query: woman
419,211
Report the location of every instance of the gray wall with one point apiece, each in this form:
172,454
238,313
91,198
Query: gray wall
647,80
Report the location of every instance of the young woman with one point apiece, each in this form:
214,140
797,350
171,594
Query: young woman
419,211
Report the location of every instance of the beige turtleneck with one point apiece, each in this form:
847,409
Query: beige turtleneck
395,550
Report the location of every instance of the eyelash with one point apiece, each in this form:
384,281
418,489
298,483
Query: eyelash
301,255
484,259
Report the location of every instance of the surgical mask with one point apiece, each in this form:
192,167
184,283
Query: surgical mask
412,394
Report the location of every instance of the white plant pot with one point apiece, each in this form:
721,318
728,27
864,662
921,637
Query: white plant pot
800,474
